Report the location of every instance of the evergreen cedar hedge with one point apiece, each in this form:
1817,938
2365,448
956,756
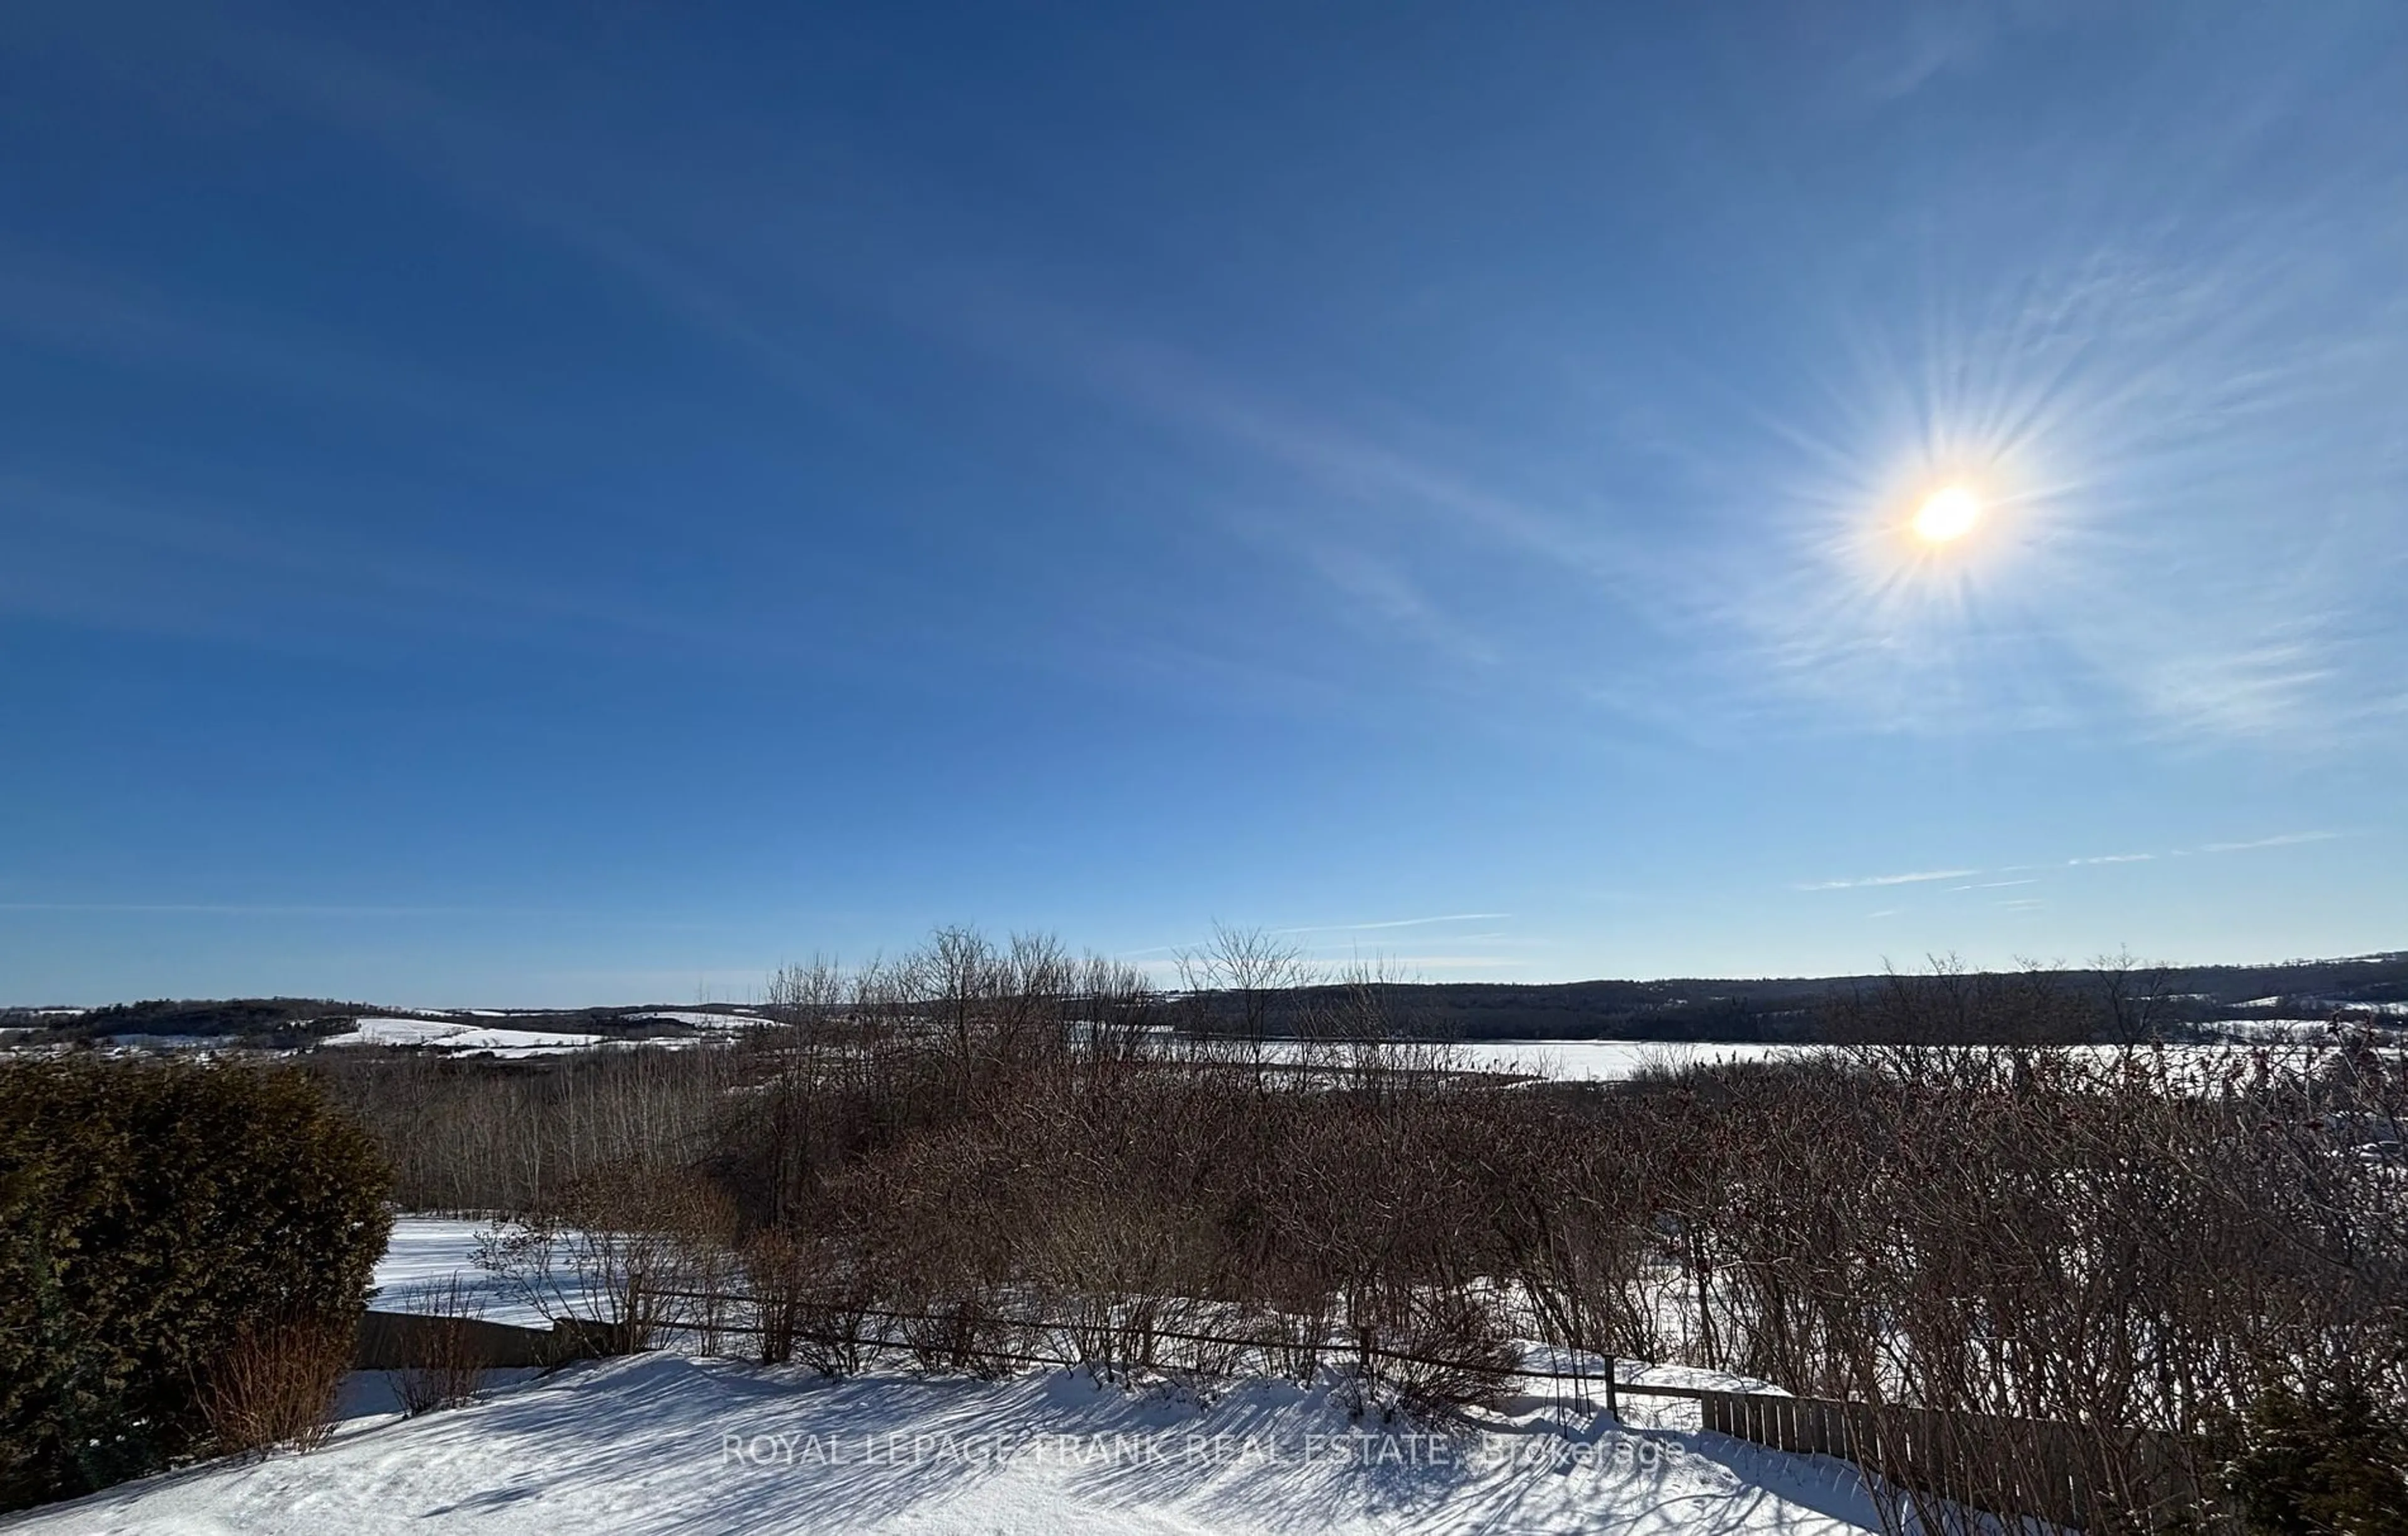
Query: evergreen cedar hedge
147,1213
2332,1460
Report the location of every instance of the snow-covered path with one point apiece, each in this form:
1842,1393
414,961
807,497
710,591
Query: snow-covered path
663,1444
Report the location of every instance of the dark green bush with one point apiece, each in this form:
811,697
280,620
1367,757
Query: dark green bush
151,1216
2330,1462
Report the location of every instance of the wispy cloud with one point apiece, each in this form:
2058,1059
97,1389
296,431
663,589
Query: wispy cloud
1915,878
1381,591
1399,922
1932,40
2281,840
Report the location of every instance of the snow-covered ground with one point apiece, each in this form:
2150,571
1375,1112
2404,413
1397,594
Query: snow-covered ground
428,1258
666,1444
2274,1032
449,1036
696,1018
660,1444
2325,1007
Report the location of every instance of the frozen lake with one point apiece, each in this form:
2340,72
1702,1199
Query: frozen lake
1612,1060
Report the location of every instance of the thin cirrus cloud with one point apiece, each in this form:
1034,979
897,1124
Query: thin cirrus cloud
2280,840
1399,922
1916,878
2283,841
756,277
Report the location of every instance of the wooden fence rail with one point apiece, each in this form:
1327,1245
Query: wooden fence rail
400,1340
2070,1475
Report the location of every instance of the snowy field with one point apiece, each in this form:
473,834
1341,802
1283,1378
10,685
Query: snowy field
659,1445
427,1256
701,1020
508,1044
449,1036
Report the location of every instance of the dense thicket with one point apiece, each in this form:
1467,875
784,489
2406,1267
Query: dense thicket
488,1135
980,1137
156,1220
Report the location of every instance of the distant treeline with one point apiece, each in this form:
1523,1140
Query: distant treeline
288,1022
2107,1003
1835,1009
263,1020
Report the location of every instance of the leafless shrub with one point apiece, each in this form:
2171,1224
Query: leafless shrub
966,1334
774,1276
1450,1350
833,1331
1294,1342
274,1385
1209,1344
451,1365
714,1277
650,1244
807,1304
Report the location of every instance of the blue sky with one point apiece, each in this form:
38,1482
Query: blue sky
516,503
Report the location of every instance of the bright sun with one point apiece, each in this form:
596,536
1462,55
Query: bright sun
1948,515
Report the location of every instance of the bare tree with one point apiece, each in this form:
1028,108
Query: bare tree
1251,968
